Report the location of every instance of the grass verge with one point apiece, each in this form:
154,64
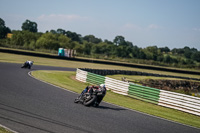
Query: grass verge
137,62
67,80
140,78
15,58
3,130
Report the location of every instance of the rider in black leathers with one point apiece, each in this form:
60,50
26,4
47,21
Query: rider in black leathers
101,88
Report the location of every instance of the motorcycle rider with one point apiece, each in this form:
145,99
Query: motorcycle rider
88,89
28,63
101,88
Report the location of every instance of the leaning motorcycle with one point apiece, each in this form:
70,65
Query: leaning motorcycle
26,65
92,98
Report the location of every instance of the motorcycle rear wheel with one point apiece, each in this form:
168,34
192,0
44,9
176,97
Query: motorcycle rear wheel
91,101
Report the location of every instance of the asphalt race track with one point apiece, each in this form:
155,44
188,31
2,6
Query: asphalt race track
28,105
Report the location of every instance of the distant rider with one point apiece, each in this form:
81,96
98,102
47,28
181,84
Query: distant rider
28,64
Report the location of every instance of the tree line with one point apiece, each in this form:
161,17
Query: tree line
91,46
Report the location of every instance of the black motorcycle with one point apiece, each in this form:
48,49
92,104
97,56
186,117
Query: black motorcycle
92,98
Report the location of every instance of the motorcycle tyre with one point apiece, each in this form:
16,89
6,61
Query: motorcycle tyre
77,100
22,66
91,101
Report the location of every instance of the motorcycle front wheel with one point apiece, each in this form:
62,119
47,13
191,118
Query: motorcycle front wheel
77,100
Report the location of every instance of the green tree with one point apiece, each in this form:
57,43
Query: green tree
79,49
194,50
119,40
29,26
167,59
48,41
74,36
135,52
164,49
196,56
87,48
108,42
110,49
73,44
26,39
64,41
123,51
141,54
3,29
17,38
53,31
129,44
188,53
178,51
30,39
160,58
153,52
101,48
92,39
182,62
96,49
61,31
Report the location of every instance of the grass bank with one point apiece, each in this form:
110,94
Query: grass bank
99,57
67,80
15,58
3,130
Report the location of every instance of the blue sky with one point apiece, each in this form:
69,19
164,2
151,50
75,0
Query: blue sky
171,23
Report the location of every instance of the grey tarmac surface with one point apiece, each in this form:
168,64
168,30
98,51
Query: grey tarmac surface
28,105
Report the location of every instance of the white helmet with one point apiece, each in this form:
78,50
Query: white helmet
102,86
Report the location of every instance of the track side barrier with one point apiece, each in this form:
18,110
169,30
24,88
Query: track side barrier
182,102
95,79
81,75
179,101
144,93
117,86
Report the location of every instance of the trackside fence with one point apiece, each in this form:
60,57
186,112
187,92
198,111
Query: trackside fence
144,93
182,102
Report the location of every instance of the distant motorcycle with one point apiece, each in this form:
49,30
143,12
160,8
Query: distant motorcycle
27,64
93,97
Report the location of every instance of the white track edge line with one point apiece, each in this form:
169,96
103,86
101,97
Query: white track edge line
8,129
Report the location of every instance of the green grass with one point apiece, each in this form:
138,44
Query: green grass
61,79
15,58
66,80
115,59
3,130
140,78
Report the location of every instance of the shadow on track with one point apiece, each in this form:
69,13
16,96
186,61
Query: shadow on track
115,109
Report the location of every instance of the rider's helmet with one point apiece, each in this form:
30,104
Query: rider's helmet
102,86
